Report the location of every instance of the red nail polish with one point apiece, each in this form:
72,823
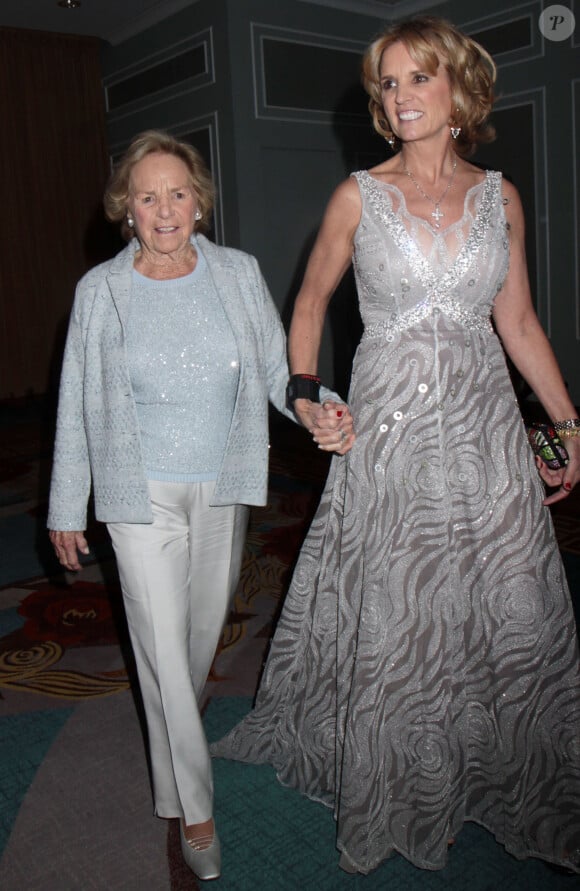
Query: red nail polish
339,414
568,486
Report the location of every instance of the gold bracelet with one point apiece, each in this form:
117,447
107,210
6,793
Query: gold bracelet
570,427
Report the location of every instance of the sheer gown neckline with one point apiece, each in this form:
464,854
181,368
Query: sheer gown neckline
440,249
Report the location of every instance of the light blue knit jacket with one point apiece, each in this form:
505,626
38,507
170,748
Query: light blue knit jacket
97,435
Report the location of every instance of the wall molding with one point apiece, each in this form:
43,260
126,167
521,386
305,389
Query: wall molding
207,77
260,33
530,11
537,99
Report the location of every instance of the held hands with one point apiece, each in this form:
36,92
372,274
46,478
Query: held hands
566,478
330,424
67,547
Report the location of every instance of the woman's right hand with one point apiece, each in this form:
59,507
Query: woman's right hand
67,547
330,424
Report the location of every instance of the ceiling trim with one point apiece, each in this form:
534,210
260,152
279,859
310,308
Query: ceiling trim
152,16
379,9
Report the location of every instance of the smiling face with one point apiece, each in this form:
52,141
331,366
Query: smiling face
163,203
417,103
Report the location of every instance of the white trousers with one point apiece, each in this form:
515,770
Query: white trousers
178,576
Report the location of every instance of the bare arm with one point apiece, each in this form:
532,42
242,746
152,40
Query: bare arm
329,260
529,349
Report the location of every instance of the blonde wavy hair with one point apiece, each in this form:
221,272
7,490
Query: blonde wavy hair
150,141
471,70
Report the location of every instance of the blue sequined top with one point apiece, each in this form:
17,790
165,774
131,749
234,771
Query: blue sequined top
184,370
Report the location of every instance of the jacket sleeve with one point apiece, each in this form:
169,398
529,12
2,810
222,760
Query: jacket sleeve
71,477
273,343
275,348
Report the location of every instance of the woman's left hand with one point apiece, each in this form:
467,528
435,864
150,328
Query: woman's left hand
566,478
330,424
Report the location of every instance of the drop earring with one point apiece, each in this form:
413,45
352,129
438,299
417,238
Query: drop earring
455,131
130,222
388,133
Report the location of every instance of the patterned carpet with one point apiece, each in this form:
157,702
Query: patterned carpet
75,805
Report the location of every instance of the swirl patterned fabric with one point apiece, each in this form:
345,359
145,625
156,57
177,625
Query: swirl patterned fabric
425,668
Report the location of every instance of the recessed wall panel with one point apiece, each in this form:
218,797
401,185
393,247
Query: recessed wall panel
313,78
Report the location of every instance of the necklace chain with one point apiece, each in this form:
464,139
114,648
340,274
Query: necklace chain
436,213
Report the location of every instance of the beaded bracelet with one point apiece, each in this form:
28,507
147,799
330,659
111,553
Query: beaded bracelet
570,427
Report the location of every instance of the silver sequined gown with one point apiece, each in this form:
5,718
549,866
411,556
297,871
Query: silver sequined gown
424,670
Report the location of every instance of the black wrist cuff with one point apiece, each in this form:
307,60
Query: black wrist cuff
301,386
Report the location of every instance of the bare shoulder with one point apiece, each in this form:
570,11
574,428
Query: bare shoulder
347,191
345,204
470,174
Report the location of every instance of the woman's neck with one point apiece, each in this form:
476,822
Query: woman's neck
431,166
164,266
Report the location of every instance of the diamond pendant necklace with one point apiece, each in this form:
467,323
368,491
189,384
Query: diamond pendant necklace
437,213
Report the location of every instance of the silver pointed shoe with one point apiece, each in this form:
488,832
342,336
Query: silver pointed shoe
205,864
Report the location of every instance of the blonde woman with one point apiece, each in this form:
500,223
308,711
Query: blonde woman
425,668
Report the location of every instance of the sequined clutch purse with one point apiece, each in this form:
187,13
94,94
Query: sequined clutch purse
546,443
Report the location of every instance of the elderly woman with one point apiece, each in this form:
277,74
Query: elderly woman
174,349
425,668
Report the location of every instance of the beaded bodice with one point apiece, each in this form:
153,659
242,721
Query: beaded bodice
407,271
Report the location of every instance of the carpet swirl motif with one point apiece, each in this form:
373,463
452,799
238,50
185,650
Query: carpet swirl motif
58,619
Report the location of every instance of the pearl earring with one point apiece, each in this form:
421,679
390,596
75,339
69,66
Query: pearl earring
198,214
130,222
